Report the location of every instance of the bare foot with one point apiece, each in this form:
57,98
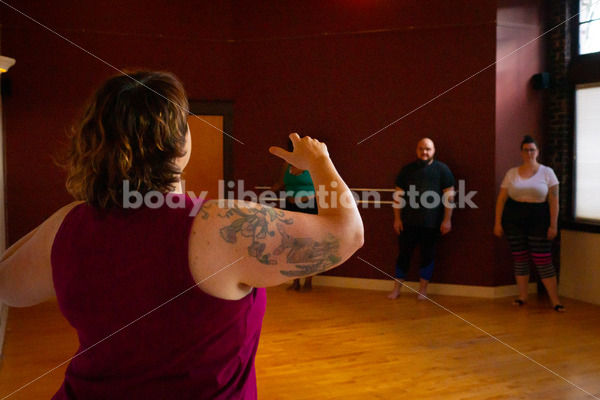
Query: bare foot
394,294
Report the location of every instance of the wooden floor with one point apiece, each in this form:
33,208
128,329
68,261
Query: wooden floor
337,343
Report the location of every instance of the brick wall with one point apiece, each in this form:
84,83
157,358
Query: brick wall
560,99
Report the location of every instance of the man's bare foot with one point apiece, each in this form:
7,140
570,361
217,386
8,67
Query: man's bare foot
422,297
394,294
295,286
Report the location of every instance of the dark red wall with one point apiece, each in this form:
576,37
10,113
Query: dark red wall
337,70
52,78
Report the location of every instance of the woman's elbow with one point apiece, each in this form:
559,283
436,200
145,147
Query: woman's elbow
349,233
359,237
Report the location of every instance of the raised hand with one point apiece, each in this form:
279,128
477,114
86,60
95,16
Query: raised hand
306,152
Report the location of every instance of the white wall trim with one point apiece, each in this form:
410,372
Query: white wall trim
433,288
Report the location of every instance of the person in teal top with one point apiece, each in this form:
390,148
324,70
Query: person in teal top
298,185
299,196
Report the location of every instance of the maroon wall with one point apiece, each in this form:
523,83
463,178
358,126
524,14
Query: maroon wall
518,105
52,78
337,70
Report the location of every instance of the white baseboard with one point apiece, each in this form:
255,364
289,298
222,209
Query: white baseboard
433,288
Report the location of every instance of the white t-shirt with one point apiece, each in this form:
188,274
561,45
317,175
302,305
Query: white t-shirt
529,190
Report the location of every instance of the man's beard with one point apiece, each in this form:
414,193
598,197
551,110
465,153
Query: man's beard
423,163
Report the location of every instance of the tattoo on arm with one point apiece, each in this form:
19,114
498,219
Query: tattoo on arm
310,256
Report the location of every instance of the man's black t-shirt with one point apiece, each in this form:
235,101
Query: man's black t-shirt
423,187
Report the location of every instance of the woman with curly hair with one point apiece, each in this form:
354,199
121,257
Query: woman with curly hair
167,298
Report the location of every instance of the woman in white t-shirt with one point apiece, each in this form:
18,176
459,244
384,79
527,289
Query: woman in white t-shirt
527,213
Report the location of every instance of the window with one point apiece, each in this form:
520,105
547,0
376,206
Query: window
587,145
584,75
589,26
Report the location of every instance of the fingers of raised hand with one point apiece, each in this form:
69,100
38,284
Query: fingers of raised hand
279,152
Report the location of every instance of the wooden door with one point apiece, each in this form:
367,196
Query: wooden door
205,168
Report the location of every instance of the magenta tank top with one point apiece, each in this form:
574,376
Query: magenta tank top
145,330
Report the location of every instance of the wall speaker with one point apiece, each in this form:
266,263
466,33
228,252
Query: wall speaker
541,81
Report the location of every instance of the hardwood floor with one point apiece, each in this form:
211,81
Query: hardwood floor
356,344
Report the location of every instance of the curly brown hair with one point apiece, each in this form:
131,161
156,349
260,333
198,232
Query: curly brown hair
133,129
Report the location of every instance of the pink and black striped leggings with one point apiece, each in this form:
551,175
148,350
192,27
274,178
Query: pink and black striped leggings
526,234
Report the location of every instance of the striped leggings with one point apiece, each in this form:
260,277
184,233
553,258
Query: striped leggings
527,244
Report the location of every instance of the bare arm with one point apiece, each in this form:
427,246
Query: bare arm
448,202
13,249
25,269
273,245
553,202
502,197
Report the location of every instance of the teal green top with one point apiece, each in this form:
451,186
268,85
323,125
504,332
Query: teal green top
298,183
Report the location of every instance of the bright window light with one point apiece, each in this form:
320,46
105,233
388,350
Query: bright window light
587,152
589,26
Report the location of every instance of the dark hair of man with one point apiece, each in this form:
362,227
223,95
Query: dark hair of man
528,139
134,128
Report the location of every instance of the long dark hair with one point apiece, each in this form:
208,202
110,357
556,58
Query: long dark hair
133,129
